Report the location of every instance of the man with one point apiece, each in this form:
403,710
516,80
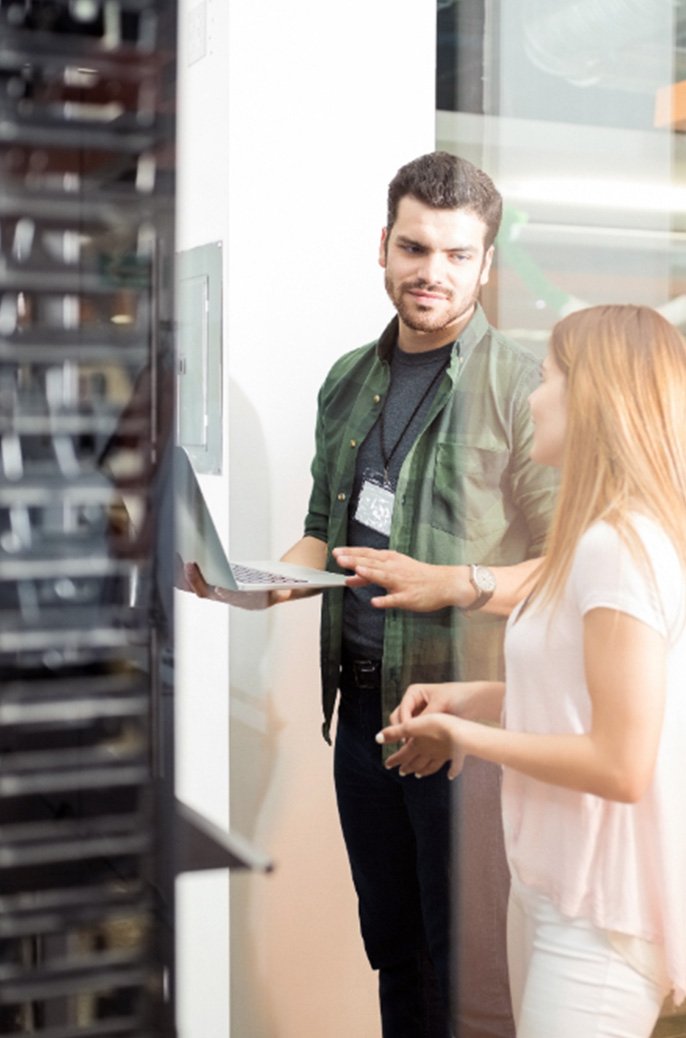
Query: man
421,469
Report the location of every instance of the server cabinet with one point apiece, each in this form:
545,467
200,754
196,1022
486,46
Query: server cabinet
86,531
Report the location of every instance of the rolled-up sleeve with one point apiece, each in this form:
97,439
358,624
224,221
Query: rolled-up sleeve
317,518
534,487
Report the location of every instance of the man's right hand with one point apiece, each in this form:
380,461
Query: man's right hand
194,581
308,551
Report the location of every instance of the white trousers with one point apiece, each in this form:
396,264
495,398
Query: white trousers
568,981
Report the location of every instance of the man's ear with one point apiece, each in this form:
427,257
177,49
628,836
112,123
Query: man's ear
383,246
486,266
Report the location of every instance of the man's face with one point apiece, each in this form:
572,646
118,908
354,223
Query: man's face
435,265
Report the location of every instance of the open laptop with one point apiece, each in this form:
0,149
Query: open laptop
197,541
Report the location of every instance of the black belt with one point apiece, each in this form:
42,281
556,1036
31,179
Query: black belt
361,673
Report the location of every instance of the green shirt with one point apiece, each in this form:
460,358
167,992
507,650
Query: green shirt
467,492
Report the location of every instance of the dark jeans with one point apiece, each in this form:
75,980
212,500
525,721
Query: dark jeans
398,835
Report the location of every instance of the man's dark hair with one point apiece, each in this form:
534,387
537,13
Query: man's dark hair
444,181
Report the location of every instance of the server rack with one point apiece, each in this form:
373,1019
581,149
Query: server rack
86,629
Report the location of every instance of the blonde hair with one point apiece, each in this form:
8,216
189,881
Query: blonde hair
625,442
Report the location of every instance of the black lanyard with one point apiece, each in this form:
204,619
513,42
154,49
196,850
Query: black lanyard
387,455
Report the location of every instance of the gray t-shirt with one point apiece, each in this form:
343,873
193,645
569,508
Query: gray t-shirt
415,378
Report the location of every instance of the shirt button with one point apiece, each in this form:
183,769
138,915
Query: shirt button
376,398
341,496
353,443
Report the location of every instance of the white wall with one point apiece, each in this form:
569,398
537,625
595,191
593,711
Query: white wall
290,127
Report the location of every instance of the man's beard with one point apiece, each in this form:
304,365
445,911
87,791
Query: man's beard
429,321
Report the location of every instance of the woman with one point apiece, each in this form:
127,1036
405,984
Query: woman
593,741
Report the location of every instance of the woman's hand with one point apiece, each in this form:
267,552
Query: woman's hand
428,721
428,742
474,700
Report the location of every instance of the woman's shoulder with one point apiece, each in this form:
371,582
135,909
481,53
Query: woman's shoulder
638,563
602,537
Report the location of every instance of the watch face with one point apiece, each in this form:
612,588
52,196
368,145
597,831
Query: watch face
484,578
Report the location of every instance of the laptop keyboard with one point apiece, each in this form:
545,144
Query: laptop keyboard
248,575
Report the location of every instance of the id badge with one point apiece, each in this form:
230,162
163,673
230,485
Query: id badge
375,506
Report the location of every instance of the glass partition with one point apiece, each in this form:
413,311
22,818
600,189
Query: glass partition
577,111
574,108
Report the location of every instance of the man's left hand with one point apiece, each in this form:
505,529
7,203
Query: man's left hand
417,586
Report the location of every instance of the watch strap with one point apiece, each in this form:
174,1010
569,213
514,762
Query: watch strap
483,595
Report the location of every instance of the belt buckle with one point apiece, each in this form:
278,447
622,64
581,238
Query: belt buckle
366,673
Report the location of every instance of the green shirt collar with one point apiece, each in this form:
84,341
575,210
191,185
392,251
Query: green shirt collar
471,336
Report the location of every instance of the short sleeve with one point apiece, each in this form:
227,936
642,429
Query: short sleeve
606,574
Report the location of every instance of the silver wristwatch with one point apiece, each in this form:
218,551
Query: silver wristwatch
482,580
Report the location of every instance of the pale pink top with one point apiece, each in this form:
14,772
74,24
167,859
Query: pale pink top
622,866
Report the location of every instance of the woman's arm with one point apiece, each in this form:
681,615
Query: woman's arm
625,665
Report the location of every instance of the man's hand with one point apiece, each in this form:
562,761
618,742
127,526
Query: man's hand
195,582
422,587
417,586
308,551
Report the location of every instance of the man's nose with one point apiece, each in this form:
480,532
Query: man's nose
432,268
